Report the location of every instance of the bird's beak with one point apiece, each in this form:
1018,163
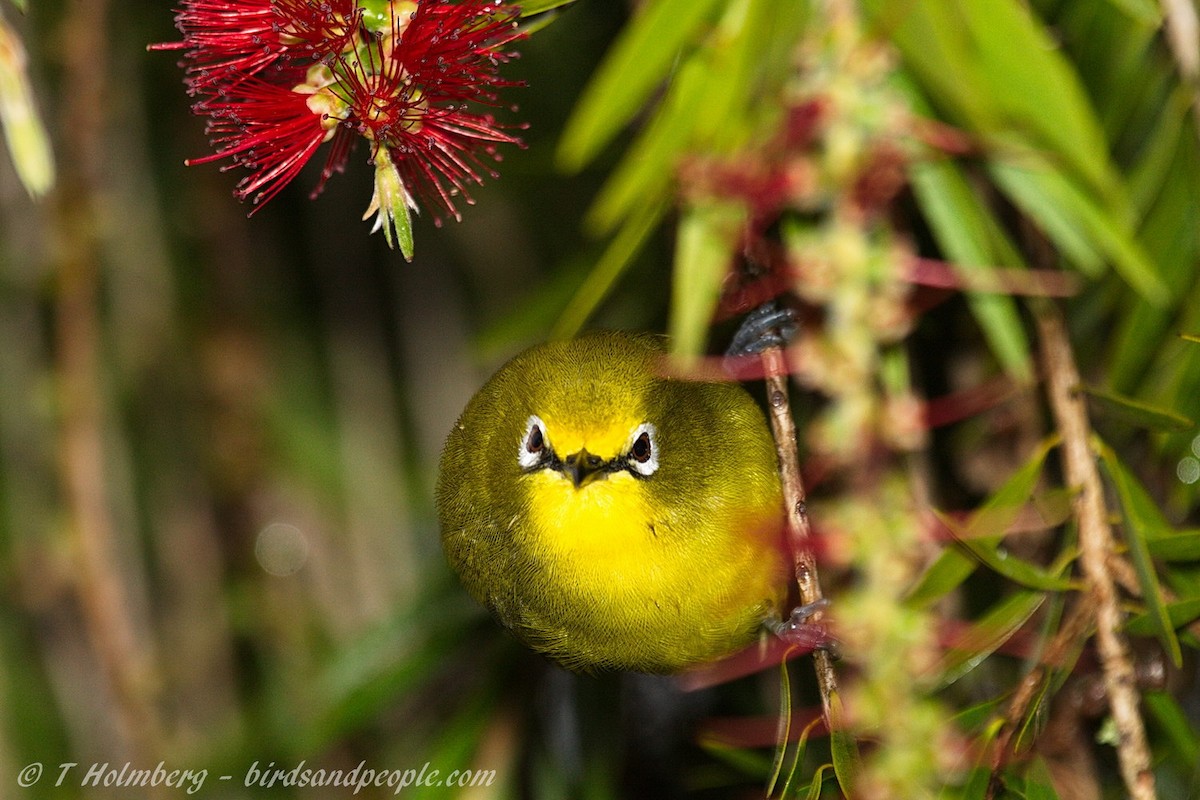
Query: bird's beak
583,467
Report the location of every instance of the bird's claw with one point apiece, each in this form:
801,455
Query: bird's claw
765,327
798,631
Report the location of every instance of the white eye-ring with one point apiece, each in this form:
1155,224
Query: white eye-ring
643,450
533,443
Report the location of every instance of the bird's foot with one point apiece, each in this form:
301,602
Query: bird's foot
763,328
796,630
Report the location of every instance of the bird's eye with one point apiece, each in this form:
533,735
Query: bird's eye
643,455
641,449
533,443
536,441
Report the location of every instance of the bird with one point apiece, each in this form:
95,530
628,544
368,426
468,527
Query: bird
613,516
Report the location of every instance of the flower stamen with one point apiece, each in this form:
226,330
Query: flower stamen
279,78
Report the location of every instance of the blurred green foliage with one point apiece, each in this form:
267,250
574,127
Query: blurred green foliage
177,382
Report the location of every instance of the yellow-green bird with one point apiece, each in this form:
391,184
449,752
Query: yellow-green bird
611,516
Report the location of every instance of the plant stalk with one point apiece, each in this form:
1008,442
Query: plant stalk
799,531
1096,547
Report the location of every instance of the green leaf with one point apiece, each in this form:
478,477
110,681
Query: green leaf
383,664
638,62
1033,85
1118,59
751,762
705,104
1146,12
935,46
961,226
1180,614
979,716
941,577
1175,546
530,7
708,236
785,728
648,168
1032,191
816,787
1143,355
847,761
532,25
24,132
1158,157
1142,521
1171,718
991,67
1039,785
977,783
1086,232
990,553
988,633
987,526
620,252
1140,413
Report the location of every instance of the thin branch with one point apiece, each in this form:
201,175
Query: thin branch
1096,546
120,650
800,539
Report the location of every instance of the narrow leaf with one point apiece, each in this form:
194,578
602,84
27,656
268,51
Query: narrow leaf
817,786
987,524
959,224
1180,614
1175,546
1037,91
531,7
1146,12
705,105
638,62
620,252
847,761
938,50
24,132
989,552
986,634
785,725
976,787
1038,783
648,167
1087,233
1174,720
1143,520
1140,413
980,715
1158,156
708,235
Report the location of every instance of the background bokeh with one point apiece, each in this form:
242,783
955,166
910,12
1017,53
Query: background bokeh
219,434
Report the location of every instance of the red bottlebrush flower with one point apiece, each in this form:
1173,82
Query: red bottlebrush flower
278,78
270,130
230,40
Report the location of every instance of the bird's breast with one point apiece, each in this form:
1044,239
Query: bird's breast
603,522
